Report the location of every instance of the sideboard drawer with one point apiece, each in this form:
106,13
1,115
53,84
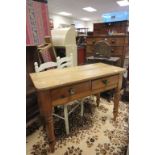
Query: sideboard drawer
89,48
116,50
106,82
67,93
115,41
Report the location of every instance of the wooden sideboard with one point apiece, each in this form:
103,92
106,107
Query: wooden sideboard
105,28
118,43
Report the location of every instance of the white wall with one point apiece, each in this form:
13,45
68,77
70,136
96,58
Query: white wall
58,21
79,23
90,26
91,23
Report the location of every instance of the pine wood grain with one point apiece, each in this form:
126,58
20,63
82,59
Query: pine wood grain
59,77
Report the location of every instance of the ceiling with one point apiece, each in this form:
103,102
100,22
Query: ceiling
75,7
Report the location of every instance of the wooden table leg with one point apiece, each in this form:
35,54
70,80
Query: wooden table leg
45,106
116,103
117,97
97,99
41,112
50,131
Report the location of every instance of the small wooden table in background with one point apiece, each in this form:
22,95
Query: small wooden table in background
60,86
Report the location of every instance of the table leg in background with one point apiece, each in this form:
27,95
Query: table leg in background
97,99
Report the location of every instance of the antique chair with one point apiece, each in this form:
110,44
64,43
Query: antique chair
44,66
61,63
65,61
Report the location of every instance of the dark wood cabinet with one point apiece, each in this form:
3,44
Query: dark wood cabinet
118,43
115,33
106,28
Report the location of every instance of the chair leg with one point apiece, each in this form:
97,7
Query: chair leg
82,108
66,119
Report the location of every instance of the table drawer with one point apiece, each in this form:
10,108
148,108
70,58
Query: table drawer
70,92
106,82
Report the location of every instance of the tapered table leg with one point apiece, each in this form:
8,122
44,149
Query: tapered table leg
45,104
50,131
117,97
116,104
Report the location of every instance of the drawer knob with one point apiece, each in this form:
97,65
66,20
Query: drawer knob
71,91
93,42
112,50
112,41
105,82
62,96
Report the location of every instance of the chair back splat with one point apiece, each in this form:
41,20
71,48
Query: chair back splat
65,61
45,66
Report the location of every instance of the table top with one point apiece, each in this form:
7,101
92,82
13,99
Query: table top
60,77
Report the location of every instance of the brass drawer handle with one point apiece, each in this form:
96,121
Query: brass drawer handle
105,82
71,91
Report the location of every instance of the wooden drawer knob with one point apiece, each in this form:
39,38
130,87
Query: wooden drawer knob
112,41
105,82
94,42
62,96
71,91
112,50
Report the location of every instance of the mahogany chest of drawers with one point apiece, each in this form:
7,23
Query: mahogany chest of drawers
118,43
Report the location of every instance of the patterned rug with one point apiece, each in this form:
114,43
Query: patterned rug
93,134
